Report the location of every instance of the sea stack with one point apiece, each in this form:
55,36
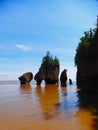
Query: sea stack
48,71
63,77
26,78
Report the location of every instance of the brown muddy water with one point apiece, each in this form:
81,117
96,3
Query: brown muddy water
49,107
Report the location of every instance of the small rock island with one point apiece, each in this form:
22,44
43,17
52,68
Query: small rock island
26,78
48,71
63,77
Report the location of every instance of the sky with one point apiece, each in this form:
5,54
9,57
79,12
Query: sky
30,28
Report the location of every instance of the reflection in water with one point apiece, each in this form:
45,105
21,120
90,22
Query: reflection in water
89,102
55,101
49,97
26,89
64,91
68,100
29,107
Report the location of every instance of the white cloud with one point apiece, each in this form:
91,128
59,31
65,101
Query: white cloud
23,47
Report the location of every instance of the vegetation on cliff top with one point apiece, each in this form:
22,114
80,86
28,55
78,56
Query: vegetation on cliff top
82,48
85,41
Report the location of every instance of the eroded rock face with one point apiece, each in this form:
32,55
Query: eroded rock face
26,78
40,75
63,77
50,76
87,70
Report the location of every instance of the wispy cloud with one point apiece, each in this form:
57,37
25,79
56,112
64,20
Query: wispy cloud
23,47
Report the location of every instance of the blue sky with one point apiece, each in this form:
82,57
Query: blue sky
30,28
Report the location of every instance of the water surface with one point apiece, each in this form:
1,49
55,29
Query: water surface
46,107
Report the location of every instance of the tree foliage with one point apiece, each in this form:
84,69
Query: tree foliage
82,48
48,61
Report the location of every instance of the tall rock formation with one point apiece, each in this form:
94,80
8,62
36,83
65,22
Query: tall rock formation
49,70
87,68
63,77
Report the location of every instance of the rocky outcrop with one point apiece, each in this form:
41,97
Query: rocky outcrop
87,69
49,70
40,75
63,77
70,81
26,78
50,75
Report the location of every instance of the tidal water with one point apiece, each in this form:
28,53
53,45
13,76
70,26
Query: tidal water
46,107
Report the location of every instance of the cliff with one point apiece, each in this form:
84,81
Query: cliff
87,69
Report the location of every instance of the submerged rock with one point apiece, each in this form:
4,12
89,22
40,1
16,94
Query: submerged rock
26,78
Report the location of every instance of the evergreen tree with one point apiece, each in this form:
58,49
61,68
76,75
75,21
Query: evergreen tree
49,61
85,41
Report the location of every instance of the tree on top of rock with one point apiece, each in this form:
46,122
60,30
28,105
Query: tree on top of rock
49,70
49,61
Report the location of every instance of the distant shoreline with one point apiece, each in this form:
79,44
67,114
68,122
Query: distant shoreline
33,82
8,81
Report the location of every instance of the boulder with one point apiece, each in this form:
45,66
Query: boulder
26,78
63,77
